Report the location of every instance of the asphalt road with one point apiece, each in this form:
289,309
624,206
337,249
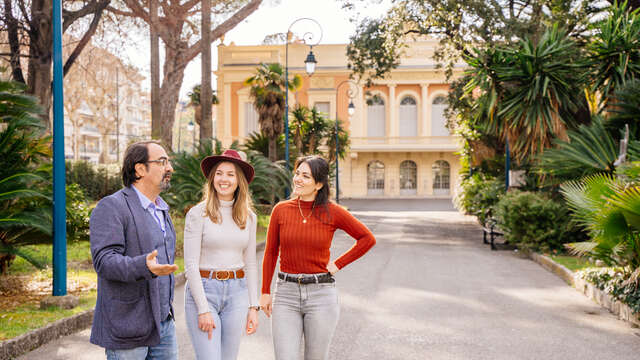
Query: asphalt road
430,290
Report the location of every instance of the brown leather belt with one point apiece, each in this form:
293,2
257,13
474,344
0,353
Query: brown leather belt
222,274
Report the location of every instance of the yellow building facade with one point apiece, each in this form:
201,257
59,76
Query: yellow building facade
400,146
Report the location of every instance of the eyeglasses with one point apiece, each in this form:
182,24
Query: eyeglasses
162,161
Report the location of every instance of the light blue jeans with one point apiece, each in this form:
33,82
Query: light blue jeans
167,349
229,305
309,310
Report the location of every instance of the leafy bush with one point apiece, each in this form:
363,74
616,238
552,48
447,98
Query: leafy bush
616,283
96,181
609,209
533,221
479,195
78,213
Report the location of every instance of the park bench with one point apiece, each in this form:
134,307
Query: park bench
490,229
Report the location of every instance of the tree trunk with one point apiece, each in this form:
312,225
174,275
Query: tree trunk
156,117
170,91
206,128
273,155
41,56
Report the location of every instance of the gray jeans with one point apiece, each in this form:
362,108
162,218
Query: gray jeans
309,310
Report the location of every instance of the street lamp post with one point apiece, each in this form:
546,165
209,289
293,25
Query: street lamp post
192,127
352,92
310,67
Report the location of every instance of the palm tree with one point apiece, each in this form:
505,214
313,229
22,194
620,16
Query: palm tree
610,210
591,149
299,126
25,201
194,101
317,132
624,108
268,93
614,50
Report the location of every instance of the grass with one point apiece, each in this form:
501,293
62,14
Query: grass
573,263
24,285
27,317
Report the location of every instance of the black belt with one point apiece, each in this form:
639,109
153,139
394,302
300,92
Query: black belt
307,279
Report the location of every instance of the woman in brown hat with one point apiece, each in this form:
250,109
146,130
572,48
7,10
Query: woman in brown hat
221,299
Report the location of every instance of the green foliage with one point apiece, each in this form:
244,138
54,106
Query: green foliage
478,196
78,213
615,50
257,141
534,222
529,92
609,210
194,96
96,181
267,89
624,108
590,149
618,284
25,196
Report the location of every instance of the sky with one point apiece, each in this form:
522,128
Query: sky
275,16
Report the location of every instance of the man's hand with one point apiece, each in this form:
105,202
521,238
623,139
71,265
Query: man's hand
159,269
265,304
206,324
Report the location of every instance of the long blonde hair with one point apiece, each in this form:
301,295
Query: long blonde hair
242,204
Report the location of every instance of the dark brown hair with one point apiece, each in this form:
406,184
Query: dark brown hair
137,153
320,173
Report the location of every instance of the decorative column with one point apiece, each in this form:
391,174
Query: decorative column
362,116
392,128
424,121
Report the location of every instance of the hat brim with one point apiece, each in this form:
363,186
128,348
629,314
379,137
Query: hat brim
210,161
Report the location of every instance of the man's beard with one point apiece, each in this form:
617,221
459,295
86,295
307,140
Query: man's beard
166,182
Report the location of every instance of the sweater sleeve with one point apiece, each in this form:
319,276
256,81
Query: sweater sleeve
271,250
357,230
250,261
193,229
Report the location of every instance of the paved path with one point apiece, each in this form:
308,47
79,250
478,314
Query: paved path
431,290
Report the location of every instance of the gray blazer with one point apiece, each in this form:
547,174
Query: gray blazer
127,312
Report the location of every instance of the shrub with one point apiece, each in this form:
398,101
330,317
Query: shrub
478,196
78,213
619,284
96,181
535,222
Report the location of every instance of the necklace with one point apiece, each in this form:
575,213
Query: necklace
304,218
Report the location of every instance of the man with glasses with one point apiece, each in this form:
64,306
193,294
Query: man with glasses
133,245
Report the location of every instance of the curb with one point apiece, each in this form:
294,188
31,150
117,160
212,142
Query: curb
24,343
12,348
621,310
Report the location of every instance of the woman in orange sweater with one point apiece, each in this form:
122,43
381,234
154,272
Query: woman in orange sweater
300,232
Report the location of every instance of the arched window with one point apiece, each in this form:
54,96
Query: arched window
441,176
438,121
375,178
408,116
408,177
376,117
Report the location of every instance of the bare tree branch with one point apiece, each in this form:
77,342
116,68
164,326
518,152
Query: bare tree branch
69,17
223,28
85,38
14,43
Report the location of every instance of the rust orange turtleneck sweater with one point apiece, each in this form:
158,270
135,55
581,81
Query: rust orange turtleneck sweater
304,248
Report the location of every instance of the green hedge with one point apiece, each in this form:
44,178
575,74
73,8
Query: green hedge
535,222
96,181
479,195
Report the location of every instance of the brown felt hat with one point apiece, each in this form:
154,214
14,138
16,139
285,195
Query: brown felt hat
228,155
